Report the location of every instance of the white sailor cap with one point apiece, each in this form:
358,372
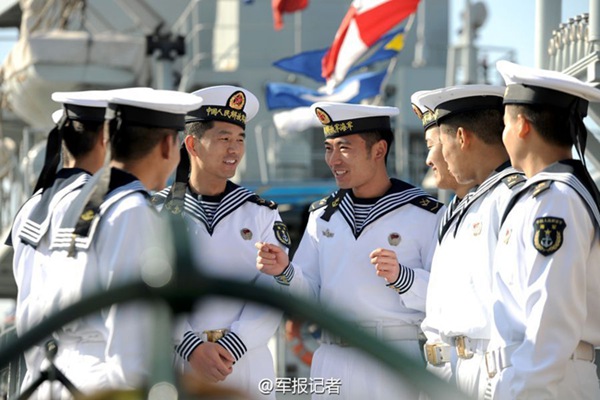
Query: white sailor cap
225,103
526,85
341,119
150,107
453,100
424,111
87,105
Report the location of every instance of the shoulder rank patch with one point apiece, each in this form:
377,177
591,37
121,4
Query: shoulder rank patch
262,202
318,204
548,234
427,203
282,234
541,187
156,200
513,180
333,203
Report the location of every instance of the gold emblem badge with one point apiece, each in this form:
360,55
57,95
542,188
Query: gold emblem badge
323,116
417,111
237,100
548,234
327,233
335,202
246,233
88,215
281,233
394,238
476,228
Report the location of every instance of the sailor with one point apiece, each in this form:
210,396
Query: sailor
78,129
108,233
546,276
458,298
365,253
224,340
444,180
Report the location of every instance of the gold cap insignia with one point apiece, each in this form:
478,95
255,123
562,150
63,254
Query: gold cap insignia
428,117
324,118
246,234
237,100
417,111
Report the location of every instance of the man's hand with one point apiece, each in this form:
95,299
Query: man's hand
212,362
386,264
271,259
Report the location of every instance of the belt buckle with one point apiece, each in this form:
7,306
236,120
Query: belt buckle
490,364
461,347
215,334
431,355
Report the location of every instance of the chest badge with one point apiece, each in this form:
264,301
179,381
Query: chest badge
548,234
327,233
476,228
394,238
246,234
507,234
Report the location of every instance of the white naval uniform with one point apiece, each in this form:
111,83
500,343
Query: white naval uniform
30,241
332,265
107,349
459,299
225,248
547,299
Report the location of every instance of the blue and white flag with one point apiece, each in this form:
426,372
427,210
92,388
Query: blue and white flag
352,90
308,63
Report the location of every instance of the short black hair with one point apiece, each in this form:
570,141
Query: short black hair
375,136
486,124
80,136
133,142
552,123
197,128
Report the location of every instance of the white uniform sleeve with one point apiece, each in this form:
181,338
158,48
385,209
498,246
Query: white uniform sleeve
414,292
555,300
128,240
306,280
257,323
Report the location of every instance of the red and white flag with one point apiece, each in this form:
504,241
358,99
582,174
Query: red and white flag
365,22
285,6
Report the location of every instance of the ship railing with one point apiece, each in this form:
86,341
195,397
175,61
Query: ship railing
186,286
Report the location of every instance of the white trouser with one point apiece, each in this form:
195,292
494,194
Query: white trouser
470,377
580,383
361,376
83,364
254,366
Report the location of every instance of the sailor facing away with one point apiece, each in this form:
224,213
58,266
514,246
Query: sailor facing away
79,132
106,236
546,276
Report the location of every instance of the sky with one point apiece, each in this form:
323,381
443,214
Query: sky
510,24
